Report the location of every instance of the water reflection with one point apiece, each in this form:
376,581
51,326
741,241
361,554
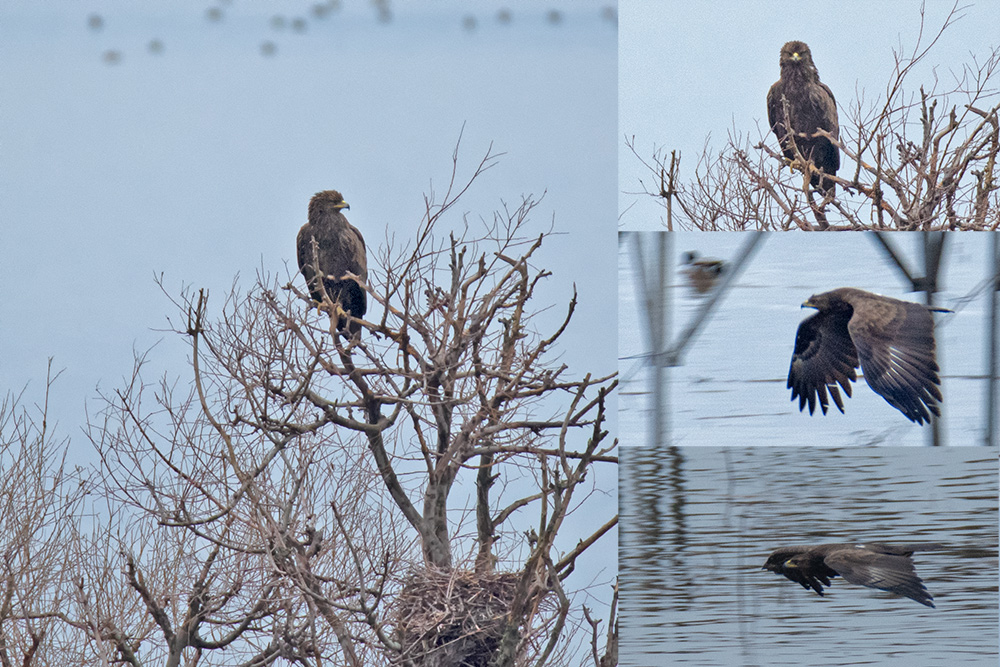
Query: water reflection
699,522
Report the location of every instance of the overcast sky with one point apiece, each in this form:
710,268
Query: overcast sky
198,162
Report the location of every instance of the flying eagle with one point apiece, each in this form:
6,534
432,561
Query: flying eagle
340,250
811,107
892,340
883,566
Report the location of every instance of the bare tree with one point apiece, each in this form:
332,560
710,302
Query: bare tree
919,157
40,503
307,498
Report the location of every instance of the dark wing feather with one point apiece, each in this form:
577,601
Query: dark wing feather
350,257
809,572
824,357
901,549
816,110
885,572
895,344
345,253
776,114
801,565
305,257
828,157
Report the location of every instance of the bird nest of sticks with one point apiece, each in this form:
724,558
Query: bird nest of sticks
452,618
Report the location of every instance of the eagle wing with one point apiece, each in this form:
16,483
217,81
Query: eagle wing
304,255
352,258
809,574
894,574
831,159
824,357
775,113
895,345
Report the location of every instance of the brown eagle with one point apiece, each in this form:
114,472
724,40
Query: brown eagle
811,107
340,250
892,341
883,566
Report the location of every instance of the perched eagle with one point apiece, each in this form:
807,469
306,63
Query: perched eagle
892,340
340,249
811,107
883,566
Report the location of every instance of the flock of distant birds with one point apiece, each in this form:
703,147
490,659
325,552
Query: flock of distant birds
321,10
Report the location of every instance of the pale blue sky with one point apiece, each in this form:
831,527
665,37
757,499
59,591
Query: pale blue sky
198,163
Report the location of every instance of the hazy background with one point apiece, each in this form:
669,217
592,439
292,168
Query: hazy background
689,76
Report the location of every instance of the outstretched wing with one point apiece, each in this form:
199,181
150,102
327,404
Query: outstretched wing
895,345
824,357
894,574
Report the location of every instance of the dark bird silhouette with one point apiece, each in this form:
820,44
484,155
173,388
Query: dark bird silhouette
811,107
884,566
339,250
892,341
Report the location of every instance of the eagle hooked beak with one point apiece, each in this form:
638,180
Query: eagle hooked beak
796,56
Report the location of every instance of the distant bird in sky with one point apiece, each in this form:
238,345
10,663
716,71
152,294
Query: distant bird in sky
884,566
892,341
811,107
339,250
